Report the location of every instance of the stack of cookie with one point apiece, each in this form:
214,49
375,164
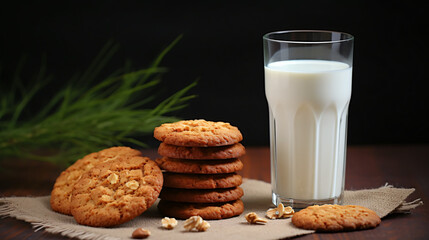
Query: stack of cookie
200,162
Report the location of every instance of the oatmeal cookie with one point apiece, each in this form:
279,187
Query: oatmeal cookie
208,211
201,181
116,191
222,152
200,166
61,192
334,218
201,195
198,133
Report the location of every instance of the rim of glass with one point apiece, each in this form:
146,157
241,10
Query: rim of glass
348,36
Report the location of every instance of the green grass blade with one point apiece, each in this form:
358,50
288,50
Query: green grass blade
83,117
166,50
99,63
161,56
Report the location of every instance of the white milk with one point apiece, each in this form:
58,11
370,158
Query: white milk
308,102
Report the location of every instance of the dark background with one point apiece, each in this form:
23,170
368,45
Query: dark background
222,46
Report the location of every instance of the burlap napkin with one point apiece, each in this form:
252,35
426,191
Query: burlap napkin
257,198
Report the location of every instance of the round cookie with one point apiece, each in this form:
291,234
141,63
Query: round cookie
213,211
115,192
334,218
200,167
222,152
198,133
61,192
201,195
201,181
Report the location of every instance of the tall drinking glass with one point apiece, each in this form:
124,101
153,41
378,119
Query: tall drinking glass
308,84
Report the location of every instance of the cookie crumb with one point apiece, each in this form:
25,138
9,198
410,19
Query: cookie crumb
280,212
253,218
169,223
197,223
140,233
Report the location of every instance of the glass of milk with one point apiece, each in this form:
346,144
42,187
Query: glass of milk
308,84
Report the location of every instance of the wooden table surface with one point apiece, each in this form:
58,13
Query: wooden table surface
367,167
